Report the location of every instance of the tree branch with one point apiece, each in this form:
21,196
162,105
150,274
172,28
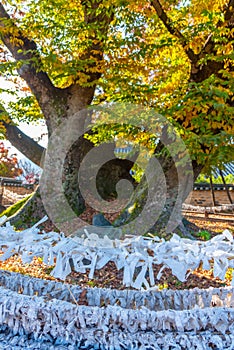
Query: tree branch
25,50
25,144
198,72
229,13
202,72
209,44
172,30
97,17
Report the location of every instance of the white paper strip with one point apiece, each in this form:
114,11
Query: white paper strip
131,254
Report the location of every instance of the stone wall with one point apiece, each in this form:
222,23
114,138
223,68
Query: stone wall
202,196
14,190
11,191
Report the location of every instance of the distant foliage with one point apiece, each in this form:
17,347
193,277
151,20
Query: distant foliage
229,179
30,173
9,166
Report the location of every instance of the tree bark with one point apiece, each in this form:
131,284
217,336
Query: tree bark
163,225
25,144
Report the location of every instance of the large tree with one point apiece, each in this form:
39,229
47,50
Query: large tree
174,56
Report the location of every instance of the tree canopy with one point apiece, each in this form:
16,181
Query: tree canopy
175,56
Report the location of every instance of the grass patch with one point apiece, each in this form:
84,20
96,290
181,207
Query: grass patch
204,235
13,209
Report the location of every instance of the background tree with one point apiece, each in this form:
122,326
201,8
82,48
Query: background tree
9,166
30,173
175,56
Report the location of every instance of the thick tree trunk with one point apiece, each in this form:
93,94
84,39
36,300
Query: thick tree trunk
107,177
165,219
96,178
144,212
70,174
